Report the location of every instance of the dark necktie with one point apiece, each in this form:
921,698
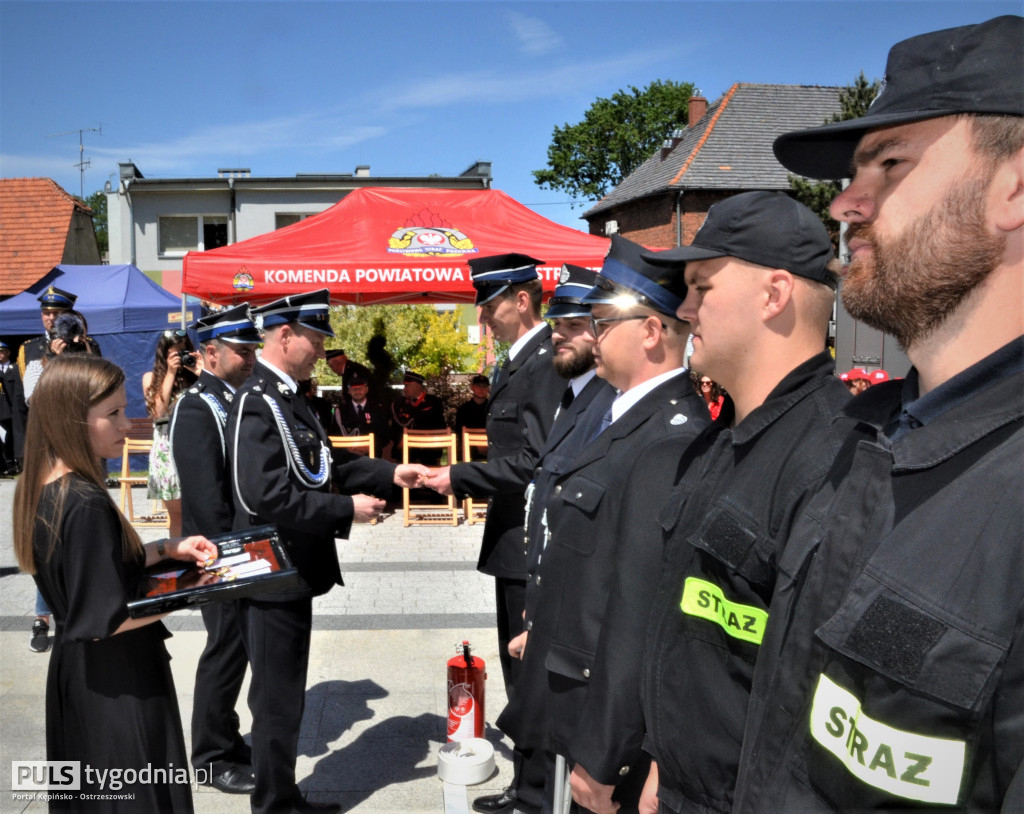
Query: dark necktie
606,422
502,372
359,413
567,397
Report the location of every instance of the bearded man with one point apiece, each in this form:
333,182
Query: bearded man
891,674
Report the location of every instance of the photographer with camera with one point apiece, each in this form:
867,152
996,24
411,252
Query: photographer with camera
175,369
69,334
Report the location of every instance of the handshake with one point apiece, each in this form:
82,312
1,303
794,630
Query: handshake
407,476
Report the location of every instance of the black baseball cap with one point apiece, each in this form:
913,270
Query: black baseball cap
766,228
970,69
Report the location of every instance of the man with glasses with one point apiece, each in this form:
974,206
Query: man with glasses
760,294
578,690
228,340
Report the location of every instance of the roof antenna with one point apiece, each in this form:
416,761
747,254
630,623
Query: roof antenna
83,162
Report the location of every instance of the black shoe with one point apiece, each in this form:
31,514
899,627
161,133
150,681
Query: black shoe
235,780
493,803
40,641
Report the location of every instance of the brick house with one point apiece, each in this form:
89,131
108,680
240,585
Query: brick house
41,226
725,149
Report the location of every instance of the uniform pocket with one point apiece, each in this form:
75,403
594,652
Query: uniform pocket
570,662
584,495
924,650
507,410
732,537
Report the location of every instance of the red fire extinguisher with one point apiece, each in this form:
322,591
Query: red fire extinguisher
466,675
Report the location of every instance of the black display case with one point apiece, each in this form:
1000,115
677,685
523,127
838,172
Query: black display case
253,561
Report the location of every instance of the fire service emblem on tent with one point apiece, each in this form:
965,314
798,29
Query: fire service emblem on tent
429,235
243,280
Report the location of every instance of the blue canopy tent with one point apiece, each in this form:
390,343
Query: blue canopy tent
126,312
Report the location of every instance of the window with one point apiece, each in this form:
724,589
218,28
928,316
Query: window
185,233
282,219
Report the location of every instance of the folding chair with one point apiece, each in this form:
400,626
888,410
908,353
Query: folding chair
429,514
473,439
139,441
359,444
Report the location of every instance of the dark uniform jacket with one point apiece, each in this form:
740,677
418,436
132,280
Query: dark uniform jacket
574,427
375,418
578,691
38,346
13,414
426,413
199,445
895,675
724,526
470,415
272,465
30,350
520,412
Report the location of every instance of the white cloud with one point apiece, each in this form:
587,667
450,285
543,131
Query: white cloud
535,36
326,132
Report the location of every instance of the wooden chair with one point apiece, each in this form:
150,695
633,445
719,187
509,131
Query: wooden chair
139,441
473,439
429,514
359,444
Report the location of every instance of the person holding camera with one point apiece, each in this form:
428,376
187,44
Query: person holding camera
175,369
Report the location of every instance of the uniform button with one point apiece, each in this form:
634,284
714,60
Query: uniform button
529,625
538,579
586,672
623,771
579,495
558,489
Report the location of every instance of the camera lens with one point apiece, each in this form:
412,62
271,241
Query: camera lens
188,359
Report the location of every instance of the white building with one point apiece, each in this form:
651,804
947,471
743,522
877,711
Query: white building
153,222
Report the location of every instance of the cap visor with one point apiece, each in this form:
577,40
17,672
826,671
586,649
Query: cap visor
486,293
683,254
827,151
567,310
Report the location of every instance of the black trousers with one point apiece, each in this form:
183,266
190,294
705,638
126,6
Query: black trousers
510,601
217,743
277,638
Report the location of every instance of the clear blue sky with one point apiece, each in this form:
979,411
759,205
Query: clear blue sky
410,88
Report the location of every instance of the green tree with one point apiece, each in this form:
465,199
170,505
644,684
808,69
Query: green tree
616,136
419,337
817,196
97,202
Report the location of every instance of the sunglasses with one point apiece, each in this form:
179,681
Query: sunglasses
179,333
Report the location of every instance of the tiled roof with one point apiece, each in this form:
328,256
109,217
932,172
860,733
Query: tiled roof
35,216
730,148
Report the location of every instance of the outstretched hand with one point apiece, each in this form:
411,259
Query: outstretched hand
410,476
440,480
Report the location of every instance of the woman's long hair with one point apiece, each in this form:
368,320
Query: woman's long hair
58,430
167,340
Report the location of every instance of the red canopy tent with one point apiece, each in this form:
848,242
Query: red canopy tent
389,245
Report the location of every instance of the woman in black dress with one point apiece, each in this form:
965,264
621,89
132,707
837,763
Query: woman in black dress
110,700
